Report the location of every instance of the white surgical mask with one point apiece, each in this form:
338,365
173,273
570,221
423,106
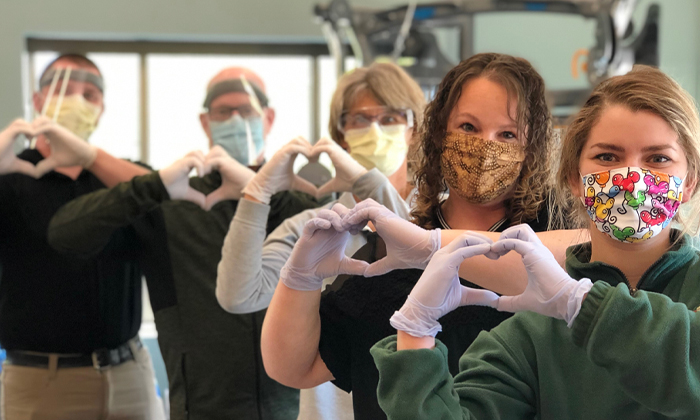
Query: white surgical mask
382,147
241,138
631,204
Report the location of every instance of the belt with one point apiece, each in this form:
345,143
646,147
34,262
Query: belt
99,359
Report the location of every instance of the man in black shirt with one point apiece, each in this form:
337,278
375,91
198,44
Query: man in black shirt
69,325
212,357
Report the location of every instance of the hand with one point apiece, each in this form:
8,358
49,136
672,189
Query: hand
407,245
438,290
550,290
9,162
176,178
234,176
278,174
67,149
320,253
347,170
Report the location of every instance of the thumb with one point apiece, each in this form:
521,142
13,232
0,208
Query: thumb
196,197
352,266
304,186
508,304
327,188
45,166
379,268
214,197
478,297
26,168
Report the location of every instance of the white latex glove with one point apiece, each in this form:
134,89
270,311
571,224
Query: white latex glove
67,149
234,176
320,253
438,290
176,178
407,245
347,170
278,174
550,290
9,162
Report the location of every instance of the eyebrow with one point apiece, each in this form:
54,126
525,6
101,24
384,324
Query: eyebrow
467,114
616,148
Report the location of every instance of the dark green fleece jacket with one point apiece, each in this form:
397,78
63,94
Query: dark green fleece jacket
627,356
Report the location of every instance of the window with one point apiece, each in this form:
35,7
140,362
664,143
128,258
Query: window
154,91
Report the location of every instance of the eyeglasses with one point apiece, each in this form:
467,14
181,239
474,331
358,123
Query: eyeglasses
364,117
223,113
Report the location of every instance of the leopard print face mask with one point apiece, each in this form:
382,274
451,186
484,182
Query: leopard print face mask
480,170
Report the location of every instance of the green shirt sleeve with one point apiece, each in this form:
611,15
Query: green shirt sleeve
648,343
416,384
85,225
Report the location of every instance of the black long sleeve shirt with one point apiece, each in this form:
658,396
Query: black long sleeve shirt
212,357
51,302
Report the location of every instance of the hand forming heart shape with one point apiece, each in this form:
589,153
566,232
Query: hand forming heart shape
9,162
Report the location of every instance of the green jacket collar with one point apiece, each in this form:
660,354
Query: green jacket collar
655,279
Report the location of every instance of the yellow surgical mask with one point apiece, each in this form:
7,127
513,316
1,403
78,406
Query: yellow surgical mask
382,147
76,114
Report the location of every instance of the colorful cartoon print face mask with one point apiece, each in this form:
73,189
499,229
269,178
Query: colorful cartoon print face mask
631,204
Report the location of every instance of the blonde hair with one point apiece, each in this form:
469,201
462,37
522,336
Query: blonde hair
523,83
643,89
387,83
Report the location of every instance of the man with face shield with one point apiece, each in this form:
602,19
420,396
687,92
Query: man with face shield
212,357
69,325
237,116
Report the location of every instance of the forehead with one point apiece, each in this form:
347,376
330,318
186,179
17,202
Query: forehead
231,99
631,130
486,99
65,63
364,99
73,85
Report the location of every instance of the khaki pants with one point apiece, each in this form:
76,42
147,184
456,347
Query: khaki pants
124,392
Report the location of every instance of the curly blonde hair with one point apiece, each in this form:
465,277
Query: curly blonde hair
523,83
643,89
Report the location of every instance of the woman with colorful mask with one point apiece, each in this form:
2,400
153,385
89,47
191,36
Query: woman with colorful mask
613,336
373,113
486,139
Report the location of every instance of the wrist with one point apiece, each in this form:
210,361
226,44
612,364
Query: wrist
251,198
255,189
405,341
91,155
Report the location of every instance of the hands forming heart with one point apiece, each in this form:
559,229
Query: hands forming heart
67,149
550,290
275,176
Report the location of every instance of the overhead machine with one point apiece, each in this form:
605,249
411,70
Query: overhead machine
408,35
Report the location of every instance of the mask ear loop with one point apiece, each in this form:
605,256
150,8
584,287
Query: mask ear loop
47,101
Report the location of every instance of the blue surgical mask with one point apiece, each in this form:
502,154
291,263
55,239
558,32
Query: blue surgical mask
241,138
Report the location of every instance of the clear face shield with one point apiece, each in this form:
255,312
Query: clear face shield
239,130
73,99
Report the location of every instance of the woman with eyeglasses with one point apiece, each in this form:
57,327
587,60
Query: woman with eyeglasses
373,114
486,139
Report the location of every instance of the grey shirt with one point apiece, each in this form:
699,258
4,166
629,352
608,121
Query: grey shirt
250,268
